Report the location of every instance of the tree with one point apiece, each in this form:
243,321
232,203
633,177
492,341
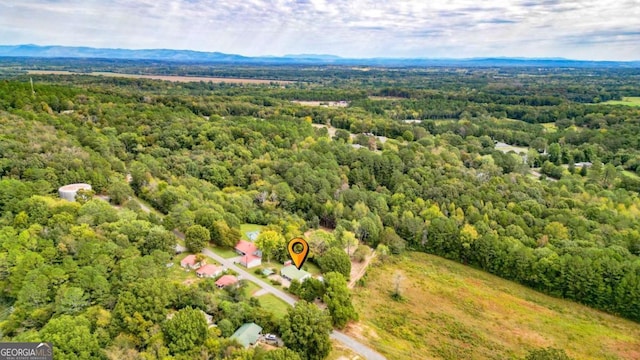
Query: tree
84,195
279,354
72,338
361,253
119,192
196,238
390,238
185,331
224,235
338,300
555,152
335,259
226,327
305,329
70,300
270,242
158,238
349,240
311,289
320,241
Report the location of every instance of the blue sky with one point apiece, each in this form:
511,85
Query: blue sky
578,29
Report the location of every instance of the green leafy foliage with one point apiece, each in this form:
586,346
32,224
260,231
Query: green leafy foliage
338,300
186,330
306,330
196,238
335,259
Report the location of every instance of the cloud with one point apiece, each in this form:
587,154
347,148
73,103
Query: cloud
356,28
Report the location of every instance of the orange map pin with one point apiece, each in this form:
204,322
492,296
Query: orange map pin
298,250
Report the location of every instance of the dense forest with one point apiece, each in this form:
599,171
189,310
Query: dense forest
410,163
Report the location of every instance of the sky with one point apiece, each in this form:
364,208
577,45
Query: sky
575,29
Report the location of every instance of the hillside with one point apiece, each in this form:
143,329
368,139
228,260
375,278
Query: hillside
451,311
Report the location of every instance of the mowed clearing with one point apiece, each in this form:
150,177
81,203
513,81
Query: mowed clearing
628,101
451,311
173,78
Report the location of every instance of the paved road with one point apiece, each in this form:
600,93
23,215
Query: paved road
357,346
351,343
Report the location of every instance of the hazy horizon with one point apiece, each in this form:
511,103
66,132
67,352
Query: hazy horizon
580,30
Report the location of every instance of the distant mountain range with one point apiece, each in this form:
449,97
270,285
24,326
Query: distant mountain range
37,51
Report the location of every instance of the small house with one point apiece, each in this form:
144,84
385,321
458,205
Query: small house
250,261
290,272
226,280
248,334
190,262
209,271
250,256
244,247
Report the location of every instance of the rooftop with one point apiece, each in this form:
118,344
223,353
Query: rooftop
75,187
226,280
208,270
247,334
293,273
246,247
189,260
248,258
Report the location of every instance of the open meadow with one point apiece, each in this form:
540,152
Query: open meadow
451,311
628,101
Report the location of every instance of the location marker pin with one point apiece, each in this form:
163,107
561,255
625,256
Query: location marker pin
298,250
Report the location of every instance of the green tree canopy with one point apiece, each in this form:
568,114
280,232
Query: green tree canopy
305,329
196,238
338,300
186,330
335,259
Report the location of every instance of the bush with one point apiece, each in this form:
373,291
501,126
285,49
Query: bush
548,354
361,253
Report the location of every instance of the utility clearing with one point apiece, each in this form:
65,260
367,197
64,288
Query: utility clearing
451,311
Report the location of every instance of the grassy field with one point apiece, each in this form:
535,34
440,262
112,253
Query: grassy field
224,252
505,148
451,311
339,352
629,101
550,127
251,288
630,174
277,306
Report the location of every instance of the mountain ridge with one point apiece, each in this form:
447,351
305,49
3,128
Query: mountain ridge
173,55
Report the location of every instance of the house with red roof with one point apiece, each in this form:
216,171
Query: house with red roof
209,271
191,262
226,280
250,256
250,261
